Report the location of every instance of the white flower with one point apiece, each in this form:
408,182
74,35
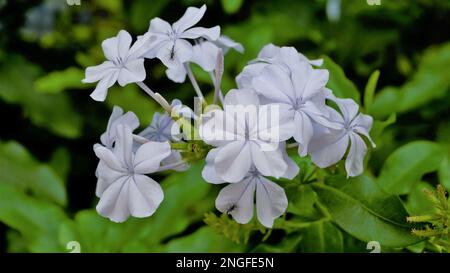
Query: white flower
205,55
171,45
118,117
178,109
129,190
237,199
163,128
210,175
300,91
329,145
109,137
124,64
243,144
286,57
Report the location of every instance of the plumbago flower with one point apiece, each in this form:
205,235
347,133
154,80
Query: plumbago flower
281,95
205,55
329,145
300,92
286,57
118,117
163,128
171,44
108,139
124,64
243,144
129,190
237,199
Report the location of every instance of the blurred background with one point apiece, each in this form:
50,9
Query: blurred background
49,122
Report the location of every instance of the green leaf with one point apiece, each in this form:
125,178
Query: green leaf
363,210
301,200
444,170
340,85
202,240
379,126
36,220
98,234
22,171
418,202
60,162
369,91
322,237
51,111
406,165
231,6
58,81
289,243
142,11
428,83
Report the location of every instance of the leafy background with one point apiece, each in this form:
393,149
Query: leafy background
392,58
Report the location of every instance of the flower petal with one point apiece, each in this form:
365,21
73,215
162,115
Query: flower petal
145,196
271,201
113,203
238,200
159,26
129,119
349,108
205,55
303,132
219,128
269,163
101,90
176,74
123,149
275,84
330,149
268,52
117,47
363,124
211,34
133,71
233,161
292,169
98,72
106,176
225,43
209,171
175,54
109,158
245,78
149,156
191,17
242,97
355,157
123,44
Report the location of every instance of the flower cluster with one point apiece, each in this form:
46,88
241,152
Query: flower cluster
281,100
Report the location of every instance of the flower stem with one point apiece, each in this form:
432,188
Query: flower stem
171,166
217,91
194,82
156,96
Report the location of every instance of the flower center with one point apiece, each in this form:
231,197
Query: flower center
298,104
349,127
119,62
